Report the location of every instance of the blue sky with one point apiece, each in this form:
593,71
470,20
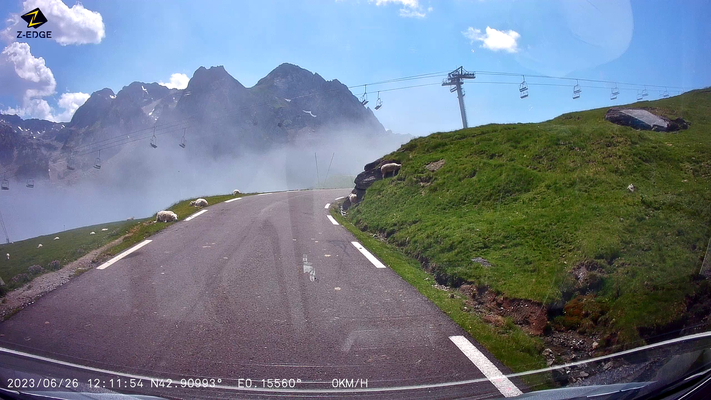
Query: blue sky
652,42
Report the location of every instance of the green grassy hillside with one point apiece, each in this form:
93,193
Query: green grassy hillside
538,201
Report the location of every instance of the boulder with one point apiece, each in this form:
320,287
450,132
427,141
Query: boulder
644,120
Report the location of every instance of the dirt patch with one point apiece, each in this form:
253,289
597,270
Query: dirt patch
43,284
531,316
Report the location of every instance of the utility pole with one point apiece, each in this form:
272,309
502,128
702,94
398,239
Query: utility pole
456,80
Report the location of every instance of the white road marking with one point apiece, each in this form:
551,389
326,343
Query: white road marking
327,205
369,256
231,200
505,386
195,215
342,197
333,221
262,194
124,254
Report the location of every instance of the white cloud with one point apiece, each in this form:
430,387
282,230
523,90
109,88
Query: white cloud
177,81
75,25
70,102
26,77
493,39
410,8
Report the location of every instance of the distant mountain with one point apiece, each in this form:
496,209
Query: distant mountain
220,116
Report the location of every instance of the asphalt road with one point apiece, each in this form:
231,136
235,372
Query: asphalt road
265,287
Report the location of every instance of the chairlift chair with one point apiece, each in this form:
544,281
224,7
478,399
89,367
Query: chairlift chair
576,91
665,93
182,141
30,183
5,184
523,88
614,92
378,103
364,98
640,96
644,92
97,162
154,140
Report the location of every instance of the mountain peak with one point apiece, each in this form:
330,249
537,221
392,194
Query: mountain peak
207,77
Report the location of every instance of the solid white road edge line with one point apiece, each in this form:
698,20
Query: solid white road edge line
369,256
333,221
327,205
342,197
231,200
195,215
505,386
124,254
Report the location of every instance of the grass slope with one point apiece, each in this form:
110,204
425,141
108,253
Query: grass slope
538,199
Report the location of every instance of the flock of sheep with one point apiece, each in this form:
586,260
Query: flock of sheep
169,216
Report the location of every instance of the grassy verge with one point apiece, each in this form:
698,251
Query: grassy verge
75,243
508,343
71,245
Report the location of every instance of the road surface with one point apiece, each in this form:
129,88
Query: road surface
264,287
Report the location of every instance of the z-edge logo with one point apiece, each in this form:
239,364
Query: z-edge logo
34,18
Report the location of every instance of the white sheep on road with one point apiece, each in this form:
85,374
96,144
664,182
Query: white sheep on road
166,216
389,168
199,203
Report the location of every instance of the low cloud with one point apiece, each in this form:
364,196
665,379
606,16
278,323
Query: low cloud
177,81
410,8
494,39
70,26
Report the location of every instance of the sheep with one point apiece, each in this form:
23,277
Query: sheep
56,238
166,216
236,192
199,203
385,169
39,246
352,198
92,233
7,255
631,188
104,229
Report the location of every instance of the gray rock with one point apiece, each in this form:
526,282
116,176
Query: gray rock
644,120
482,261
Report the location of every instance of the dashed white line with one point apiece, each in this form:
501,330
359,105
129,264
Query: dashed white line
369,256
505,386
342,197
327,205
195,215
124,254
231,200
333,221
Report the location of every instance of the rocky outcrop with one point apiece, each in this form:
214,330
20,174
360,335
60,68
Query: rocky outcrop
371,173
644,120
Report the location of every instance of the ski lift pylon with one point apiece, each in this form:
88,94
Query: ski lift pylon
576,90
614,92
523,88
364,98
97,162
154,140
30,183
378,103
182,141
